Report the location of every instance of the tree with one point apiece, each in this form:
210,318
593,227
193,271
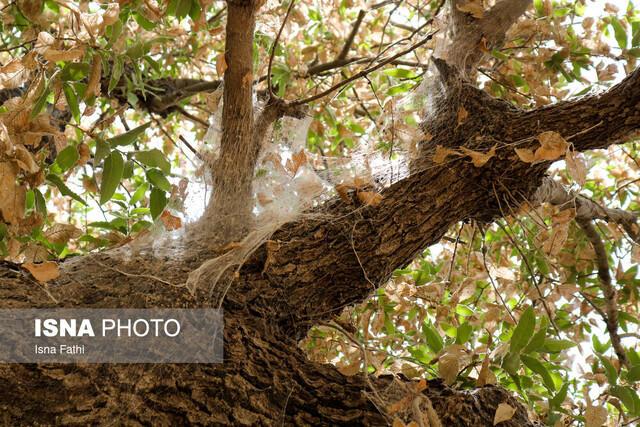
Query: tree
474,157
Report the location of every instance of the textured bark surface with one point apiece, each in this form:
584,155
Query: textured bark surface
321,266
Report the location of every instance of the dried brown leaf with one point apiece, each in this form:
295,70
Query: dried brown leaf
43,272
503,413
462,114
61,233
35,253
343,192
577,167
553,146
525,154
559,235
370,198
563,217
473,7
263,200
442,153
93,84
169,221
221,64
480,159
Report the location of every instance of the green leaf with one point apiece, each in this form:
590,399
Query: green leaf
434,340
116,71
41,203
524,330
64,190
536,342
157,202
536,366
111,176
628,397
154,158
42,99
560,396
75,71
102,150
72,101
620,32
511,363
135,51
67,158
157,178
634,374
400,73
552,345
464,332
116,30
143,22
420,355
139,194
182,9
128,137
609,370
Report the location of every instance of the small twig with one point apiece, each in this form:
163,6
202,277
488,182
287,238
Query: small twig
124,273
273,49
455,250
352,35
493,284
608,291
363,72
190,116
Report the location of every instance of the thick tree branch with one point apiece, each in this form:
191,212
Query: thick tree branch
556,194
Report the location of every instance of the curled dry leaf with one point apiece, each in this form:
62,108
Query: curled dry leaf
525,154
93,84
577,167
479,159
503,413
370,198
169,221
483,46
462,114
343,192
552,146
442,153
43,272
221,64
61,233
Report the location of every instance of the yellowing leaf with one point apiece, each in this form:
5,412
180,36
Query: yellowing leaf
525,154
221,64
442,153
61,233
552,146
370,198
43,272
479,159
169,221
503,413
577,167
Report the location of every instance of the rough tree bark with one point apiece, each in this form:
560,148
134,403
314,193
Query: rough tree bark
320,267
